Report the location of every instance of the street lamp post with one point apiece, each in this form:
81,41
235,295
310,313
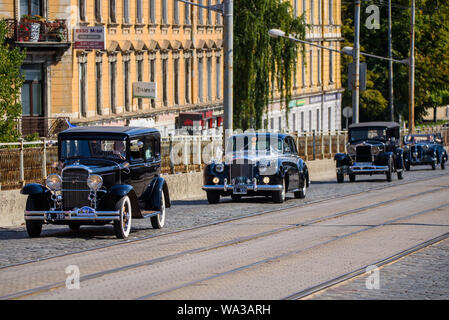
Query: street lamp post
356,60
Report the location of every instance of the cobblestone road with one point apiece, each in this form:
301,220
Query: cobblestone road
16,247
421,275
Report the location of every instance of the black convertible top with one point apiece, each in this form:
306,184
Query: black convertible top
383,124
105,131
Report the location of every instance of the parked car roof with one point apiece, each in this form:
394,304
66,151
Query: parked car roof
280,135
383,124
105,130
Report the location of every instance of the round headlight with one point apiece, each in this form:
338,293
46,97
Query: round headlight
53,182
425,147
350,148
266,180
94,181
375,150
219,167
215,180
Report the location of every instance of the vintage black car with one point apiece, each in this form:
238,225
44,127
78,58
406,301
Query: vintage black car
257,164
373,148
105,174
424,149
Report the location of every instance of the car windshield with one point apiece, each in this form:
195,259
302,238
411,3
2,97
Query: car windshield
83,149
419,139
368,134
255,143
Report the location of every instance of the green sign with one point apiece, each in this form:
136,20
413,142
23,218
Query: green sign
297,103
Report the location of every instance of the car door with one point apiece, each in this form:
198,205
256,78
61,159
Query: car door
152,156
289,162
137,167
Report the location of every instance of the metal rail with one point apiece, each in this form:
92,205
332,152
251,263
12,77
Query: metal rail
232,242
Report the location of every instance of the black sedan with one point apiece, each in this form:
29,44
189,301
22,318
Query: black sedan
265,164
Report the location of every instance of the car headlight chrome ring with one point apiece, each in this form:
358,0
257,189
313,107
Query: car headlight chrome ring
219,167
94,182
350,149
53,182
375,150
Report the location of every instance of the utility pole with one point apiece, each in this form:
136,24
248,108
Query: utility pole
411,105
390,63
356,60
228,69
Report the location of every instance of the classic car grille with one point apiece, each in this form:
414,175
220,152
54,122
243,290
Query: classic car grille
363,154
75,191
242,170
418,150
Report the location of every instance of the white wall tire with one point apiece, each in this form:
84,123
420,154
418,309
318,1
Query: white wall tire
122,227
158,220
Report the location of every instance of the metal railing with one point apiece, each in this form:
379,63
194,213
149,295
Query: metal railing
48,31
24,162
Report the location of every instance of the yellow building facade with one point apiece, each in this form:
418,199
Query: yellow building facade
167,42
317,89
177,46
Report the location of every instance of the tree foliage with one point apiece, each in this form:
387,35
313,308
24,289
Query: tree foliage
259,60
432,57
10,83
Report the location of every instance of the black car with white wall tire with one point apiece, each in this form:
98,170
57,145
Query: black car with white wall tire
105,175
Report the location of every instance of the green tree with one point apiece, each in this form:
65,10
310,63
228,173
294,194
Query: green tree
10,83
261,61
432,57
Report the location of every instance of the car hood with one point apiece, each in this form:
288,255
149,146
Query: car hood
97,167
250,157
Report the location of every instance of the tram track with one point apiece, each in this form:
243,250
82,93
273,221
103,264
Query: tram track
239,240
259,213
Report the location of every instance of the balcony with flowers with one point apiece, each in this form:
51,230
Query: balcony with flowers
36,31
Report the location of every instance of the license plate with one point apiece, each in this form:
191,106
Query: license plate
240,189
54,216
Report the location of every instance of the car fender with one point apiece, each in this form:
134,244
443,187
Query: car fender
115,193
34,189
400,158
303,172
384,157
152,194
342,159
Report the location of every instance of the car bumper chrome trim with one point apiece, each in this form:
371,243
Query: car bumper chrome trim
72,215
363,169
263,187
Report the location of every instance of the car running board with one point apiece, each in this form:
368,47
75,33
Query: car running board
148,214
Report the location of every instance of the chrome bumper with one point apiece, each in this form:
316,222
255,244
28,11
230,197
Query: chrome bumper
366,168
72,215
250,187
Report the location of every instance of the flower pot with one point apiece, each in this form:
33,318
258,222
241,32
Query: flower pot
35,29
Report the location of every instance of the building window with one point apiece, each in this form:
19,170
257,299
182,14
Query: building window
97,10
272,123
311,67
126,71
139,78
82,10
98,85
303,71
310,120
312,11
331,64
113,83
82,88
175,12
176,80
209,13
295,8
319,65
126,11
153,78
112,13
187,75
217,14
318,120
32,90
304,8
164,12
30,7
329,119
331,12
320,20
302,121
218,78
152,4
200,79
294,121
279,123
200,13
164,82
209,78
139,16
